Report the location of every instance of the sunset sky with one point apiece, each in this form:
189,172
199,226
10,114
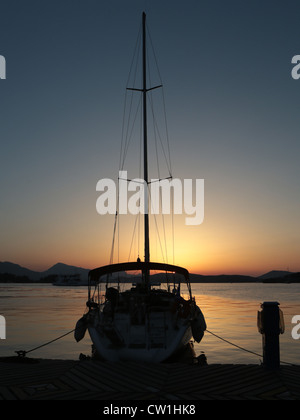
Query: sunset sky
233,113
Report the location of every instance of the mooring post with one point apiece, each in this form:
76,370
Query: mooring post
271,325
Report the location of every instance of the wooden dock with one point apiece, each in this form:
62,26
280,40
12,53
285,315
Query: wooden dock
36,379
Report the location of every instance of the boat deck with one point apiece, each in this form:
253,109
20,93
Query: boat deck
38,379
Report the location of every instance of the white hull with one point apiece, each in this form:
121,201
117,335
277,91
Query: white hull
155,342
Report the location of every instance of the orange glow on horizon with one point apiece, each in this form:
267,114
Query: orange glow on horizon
206,249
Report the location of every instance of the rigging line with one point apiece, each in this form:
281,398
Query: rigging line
154,55
111,259
127,136
160,193
156,133
141,144
114,234
163,98
167,130
123,127
157,230
168,162
172,223
133,236
140,175
130,110
155,127
137,219
131,133
116,225
156,150
165,238
155,142
127,140
137,48
118,236
136,52
156,130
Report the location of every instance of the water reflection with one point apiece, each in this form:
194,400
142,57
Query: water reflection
234,318
36,314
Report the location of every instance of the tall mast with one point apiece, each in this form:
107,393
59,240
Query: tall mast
144,91
146,216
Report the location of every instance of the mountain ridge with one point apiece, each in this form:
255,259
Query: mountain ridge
12,272
58,269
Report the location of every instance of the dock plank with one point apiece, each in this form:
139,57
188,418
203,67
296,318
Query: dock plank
90,379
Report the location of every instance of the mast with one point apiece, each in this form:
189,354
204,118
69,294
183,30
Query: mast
146,216
144,91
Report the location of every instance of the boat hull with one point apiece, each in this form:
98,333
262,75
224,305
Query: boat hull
152,355
141,323
155,341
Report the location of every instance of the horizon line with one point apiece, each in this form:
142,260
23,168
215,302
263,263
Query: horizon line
190,272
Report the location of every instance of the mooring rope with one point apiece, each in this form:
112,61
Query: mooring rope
242,348
235,345
22,353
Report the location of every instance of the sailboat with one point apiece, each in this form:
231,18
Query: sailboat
144,322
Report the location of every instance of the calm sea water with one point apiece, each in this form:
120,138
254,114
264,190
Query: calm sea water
36,314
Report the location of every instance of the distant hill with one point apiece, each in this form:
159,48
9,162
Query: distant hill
14,272
274,274
18,271
66,270
280,277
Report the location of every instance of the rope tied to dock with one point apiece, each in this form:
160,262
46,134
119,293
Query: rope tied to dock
242,348
22,353
234,345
